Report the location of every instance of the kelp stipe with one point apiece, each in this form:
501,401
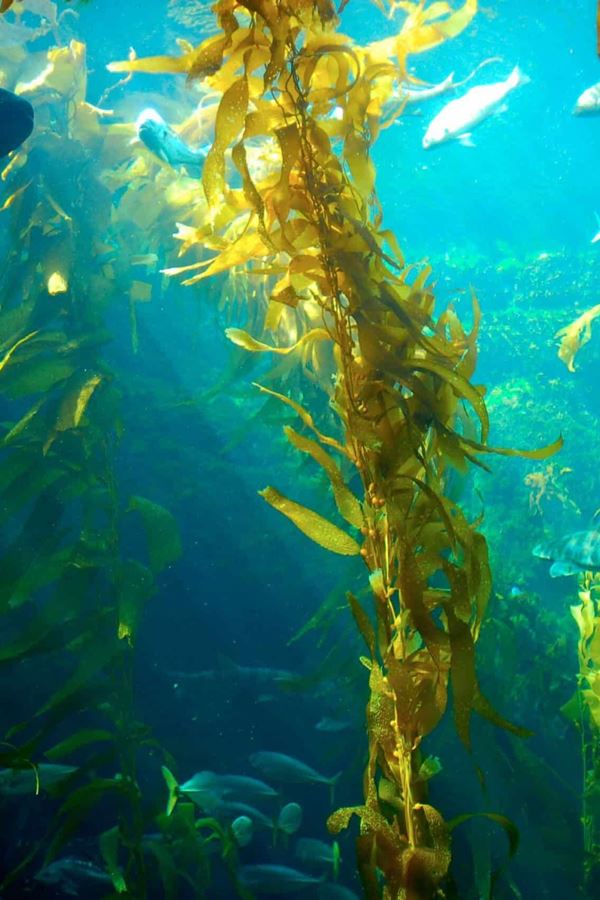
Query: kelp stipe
397,377
584,711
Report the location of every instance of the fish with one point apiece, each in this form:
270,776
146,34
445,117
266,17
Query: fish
312,850
289,819
70,874
331,725
19,782
16,121
273,879
256,677
459,117
588,103
243,830
596,237
161,140
210,791
574,553
281,767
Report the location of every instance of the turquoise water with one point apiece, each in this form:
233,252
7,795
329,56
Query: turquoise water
215,663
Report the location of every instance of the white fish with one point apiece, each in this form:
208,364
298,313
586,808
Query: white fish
596,237
458,118
588,103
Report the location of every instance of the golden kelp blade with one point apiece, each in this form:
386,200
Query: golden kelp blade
6,5
314,526
243,339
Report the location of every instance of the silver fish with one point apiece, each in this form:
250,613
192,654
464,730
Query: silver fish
458,118
576,552
275,880
161,140
18,782
70,874
588,103
281,767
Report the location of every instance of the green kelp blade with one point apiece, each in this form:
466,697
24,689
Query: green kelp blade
162,533
75,741
109,848
313,525
135,586
510,829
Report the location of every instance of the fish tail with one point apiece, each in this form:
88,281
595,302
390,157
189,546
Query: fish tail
332,783
517,78
173,788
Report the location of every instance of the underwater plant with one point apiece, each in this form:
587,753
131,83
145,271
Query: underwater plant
583,710
397,378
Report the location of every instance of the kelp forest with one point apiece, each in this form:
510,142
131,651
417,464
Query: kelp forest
346,400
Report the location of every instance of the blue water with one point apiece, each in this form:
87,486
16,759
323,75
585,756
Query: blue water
512,219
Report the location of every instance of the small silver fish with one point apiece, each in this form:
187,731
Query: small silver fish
332,726
588,103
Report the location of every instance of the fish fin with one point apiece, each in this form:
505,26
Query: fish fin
517,78
466,140
502,109
332,783
449,80
564,567
543,551
173,789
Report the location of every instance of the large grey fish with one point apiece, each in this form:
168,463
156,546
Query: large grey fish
576,552
161,140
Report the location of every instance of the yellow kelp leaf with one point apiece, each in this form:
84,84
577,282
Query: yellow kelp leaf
75,403
11,199
313,525
243,339
347,504
5,359
154,65
305,416
231,116
575,336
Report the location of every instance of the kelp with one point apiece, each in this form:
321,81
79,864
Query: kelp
70,591
583,709
399,383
